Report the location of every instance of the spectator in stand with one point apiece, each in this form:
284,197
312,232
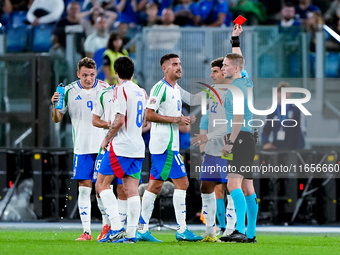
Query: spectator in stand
114,50
186,13
151,12
98,39
167,35
284,137
212,13
58,39
128,13
109,5
333,14
313,24
288,24
88,18
303,8
5,6
71,22
45,12
21,5
162,4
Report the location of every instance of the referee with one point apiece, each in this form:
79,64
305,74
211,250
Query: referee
240,143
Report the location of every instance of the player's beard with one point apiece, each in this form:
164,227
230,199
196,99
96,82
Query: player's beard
177,76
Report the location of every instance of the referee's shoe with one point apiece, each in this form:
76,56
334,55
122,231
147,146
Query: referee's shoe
235,237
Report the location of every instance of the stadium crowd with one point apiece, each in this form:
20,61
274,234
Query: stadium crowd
132,14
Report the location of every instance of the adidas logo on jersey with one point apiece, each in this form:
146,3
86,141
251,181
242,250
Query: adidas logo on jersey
78,98
173,97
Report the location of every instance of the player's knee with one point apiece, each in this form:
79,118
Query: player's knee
248,190
206,188
183,184
232,186
155,188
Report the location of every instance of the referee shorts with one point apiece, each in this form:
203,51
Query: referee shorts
243,153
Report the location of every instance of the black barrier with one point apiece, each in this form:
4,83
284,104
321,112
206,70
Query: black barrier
310,198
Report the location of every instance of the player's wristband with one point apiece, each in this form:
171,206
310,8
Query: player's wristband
235,41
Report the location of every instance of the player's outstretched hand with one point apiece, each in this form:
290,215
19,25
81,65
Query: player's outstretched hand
55,97
192,119
237,30
199,140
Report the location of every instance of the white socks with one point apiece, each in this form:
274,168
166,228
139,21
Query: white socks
111,207
148,202
84,206
122,209
180,209
230,215
133,212
101,207
209,211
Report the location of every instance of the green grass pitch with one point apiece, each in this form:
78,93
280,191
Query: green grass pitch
61,242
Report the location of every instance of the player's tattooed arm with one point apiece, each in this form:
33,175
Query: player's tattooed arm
113,130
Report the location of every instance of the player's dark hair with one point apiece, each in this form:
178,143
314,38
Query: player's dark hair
217,62
168,56
124,67
87,62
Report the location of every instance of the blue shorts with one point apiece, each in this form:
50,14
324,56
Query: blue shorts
118,166
83,165
167,165
99,159
214,169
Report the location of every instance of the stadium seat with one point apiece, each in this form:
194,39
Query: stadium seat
98,58
332,69
41,38
18,18
16,39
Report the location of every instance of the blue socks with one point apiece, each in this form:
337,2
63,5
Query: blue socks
252,209
220,212
240,209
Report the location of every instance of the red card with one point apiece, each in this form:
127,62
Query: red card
240,20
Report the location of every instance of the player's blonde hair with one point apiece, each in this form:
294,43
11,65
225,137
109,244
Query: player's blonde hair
236,59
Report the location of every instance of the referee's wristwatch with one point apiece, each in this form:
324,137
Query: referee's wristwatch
230,142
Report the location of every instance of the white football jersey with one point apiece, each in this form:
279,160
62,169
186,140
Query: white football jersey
164,100
216,112
79,103
104,105
131,102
